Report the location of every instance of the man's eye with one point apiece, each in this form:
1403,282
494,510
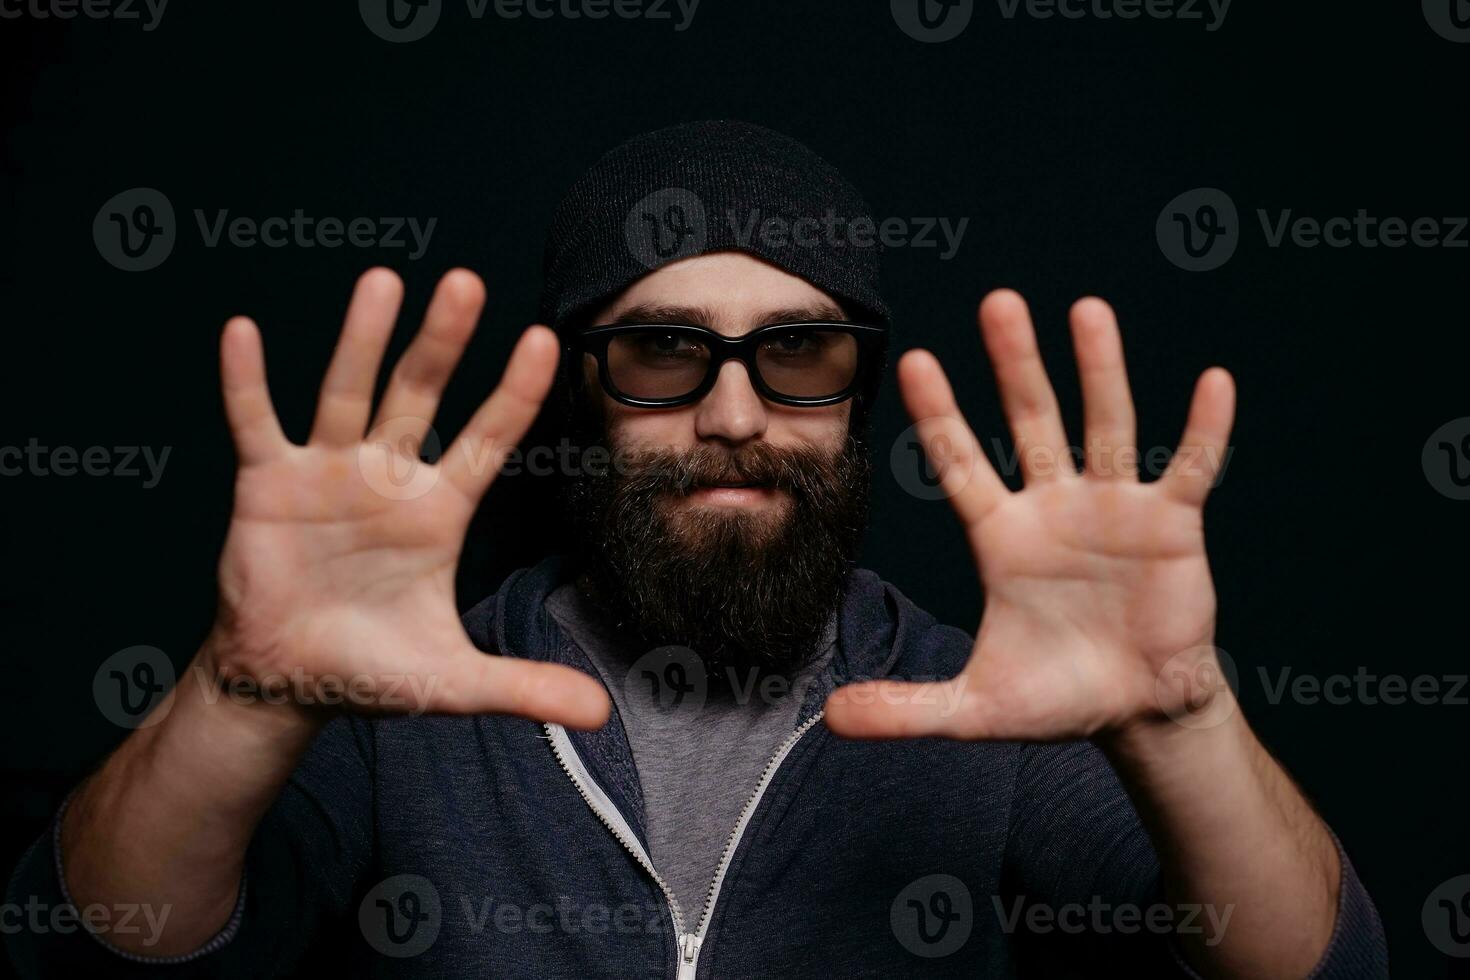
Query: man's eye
667,343
791,343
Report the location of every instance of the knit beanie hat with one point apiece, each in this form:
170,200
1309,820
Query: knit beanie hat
705,187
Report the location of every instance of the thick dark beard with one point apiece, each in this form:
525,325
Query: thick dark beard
744,591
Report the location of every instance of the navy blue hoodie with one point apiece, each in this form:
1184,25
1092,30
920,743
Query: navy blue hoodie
490,846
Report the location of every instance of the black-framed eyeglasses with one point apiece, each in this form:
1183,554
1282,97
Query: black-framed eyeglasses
811,363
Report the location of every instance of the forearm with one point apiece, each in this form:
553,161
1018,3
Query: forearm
1233,834
166,821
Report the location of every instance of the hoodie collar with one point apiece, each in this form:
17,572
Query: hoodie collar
874,622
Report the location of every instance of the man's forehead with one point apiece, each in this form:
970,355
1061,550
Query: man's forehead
724,317
728,291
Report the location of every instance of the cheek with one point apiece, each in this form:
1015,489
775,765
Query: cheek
648,428
824,427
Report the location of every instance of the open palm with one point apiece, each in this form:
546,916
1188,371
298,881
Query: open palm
337,576
1098,595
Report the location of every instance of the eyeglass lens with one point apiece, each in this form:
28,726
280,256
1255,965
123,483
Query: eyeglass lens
802,362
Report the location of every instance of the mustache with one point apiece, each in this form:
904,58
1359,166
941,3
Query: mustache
800,470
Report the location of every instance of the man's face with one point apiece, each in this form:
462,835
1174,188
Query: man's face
733,294
730,525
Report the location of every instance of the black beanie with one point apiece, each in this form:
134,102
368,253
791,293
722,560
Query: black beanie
704,187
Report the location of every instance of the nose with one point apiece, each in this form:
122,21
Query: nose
732,412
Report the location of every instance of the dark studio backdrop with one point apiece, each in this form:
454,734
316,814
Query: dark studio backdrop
1336,542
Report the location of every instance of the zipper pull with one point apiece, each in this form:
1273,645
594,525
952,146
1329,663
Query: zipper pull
691,948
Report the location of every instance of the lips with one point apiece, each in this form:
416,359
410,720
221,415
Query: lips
732,486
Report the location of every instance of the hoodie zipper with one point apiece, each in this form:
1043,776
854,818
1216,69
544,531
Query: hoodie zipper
690,944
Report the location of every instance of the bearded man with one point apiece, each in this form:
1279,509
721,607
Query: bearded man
703,744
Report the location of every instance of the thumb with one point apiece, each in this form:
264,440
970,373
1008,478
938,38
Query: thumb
903,709
474,682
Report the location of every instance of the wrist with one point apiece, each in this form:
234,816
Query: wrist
1160,751
245,690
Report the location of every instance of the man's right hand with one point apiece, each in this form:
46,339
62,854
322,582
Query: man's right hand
337,579
337,576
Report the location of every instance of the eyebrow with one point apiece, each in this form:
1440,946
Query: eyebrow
701,316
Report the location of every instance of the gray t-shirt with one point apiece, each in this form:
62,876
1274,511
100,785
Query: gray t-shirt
699,748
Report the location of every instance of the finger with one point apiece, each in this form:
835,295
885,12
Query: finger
1201,453
500,422
965,474
1110,427
347,391
252,419
902,709
419,378
1025,393
480,683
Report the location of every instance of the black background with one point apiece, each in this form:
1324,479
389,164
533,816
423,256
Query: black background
1061,140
